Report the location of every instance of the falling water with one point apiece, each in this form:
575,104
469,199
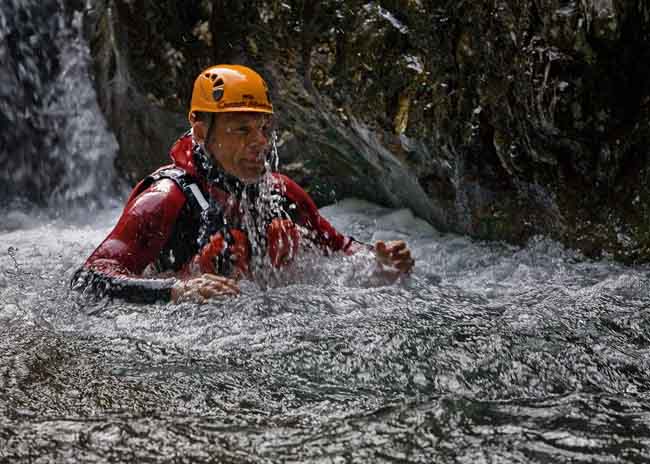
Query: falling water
55,147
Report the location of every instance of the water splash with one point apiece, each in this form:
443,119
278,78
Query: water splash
373,7
257,213
55,147
484,352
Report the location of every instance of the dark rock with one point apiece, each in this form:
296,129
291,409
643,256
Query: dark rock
144,128
501,120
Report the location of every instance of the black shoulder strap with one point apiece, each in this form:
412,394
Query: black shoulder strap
211,216
209,213
187,184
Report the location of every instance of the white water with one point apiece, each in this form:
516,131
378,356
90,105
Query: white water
482,345
540,287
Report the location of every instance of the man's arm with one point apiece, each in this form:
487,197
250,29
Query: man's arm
308,216
114,269
394,254
146,224
125,287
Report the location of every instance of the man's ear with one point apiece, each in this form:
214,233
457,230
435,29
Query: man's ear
199,129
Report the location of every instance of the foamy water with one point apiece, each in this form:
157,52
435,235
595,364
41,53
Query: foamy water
486,352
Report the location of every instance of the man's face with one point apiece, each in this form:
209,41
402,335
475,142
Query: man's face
240,143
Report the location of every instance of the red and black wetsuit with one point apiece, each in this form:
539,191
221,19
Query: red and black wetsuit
162,226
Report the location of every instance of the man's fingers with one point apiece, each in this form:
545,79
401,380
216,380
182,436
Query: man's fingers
397,246
396,254
191,294
208,292
205,287
224,286
220,288
401,254
215,278
218,282
390,248
405,266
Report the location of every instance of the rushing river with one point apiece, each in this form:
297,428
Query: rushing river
487,353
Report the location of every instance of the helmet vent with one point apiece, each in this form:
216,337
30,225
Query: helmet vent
217,87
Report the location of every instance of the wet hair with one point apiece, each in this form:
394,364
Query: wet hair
203,116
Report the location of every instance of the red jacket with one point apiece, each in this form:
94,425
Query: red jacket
157,227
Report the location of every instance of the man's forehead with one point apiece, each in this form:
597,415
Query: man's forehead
244,118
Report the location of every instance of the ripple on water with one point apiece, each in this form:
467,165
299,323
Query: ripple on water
487,352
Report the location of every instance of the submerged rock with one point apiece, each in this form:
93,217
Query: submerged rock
500,120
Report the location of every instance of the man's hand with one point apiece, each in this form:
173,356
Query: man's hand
394,254
203,288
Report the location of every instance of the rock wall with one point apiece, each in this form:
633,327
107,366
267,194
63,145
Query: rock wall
496,119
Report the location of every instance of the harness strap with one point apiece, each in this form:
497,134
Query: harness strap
186,183
202,209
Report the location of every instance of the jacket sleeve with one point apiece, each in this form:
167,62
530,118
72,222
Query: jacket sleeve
309,217
114,269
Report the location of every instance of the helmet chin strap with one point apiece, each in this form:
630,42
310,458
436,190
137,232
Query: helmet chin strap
211,125
206,142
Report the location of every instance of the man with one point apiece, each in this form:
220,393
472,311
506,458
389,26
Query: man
191,229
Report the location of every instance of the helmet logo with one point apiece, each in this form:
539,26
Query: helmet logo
217,87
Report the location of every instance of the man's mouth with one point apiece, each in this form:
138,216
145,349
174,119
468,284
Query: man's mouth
254,162
255,167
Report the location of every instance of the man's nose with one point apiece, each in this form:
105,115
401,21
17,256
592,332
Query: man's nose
259,136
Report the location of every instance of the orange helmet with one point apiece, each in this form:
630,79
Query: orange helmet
226,88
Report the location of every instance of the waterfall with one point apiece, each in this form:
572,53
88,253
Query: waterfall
55,147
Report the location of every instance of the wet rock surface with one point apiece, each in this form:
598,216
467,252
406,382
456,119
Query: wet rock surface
500,120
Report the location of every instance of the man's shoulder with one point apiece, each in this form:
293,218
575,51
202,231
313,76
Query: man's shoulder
176,174
181,153
160,188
